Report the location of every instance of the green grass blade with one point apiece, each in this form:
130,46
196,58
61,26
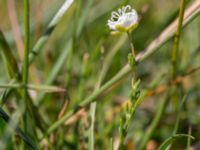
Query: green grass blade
43,88
91,129
171,139
23,135
84,17
43,39
8,57
56,68
174,58
62,58
178,117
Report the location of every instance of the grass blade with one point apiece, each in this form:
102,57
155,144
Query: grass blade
8,57
43,88
178,117
23,135
41,42
171,139
56,68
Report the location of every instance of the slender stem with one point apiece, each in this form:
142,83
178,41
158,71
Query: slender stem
189,139
91,130
175,58
131,44
10,85
177,38
43,88
111,143
26,52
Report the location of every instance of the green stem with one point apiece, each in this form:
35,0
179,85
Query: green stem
43,88
189,139
25,64
15,85
26,41
177,38
91,130
175,58
131,44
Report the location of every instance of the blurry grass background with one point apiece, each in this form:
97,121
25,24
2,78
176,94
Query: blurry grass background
83,41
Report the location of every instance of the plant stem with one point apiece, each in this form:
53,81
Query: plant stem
177,38
91,130
189,139
26,59
175,58
131,44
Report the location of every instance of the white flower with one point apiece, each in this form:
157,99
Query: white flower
126,19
